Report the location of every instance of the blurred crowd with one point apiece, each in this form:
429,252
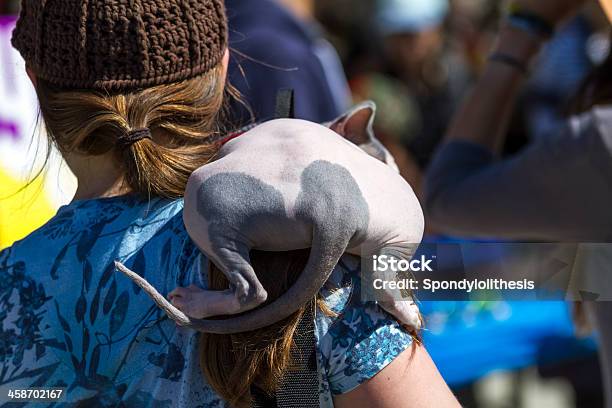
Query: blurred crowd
416,59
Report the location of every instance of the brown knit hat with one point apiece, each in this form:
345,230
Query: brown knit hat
120,44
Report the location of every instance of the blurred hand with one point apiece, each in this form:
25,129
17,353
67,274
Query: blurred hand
553,11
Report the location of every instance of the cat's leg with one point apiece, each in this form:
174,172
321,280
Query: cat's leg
397,302
245,292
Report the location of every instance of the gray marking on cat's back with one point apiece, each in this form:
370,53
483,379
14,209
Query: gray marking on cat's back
240,201
330,196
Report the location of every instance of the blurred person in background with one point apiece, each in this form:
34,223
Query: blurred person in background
278,44
557,189
417,52
473,25
578,46
558,72
395,119
420,73
478,130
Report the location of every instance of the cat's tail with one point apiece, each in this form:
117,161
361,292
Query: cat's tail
173,313
324,256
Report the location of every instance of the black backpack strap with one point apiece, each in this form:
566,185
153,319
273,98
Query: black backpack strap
285,104
261,400
299,387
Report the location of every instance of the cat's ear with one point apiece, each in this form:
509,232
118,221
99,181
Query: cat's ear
357,126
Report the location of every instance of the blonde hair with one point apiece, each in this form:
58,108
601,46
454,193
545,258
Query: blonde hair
181,117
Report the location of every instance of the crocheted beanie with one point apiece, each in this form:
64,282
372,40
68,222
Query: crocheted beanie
120,44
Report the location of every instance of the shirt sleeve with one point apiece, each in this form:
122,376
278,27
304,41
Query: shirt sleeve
360,345
361,341
558,189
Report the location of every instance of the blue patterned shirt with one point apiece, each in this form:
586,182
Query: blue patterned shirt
70,320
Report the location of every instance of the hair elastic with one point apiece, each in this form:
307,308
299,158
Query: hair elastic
134,136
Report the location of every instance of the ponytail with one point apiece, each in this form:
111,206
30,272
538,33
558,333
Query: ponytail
178,121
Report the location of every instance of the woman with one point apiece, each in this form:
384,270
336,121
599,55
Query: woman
557,189
130,95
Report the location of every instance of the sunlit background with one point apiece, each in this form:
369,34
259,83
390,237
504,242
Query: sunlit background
26,201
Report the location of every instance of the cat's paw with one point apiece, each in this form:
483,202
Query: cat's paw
199,303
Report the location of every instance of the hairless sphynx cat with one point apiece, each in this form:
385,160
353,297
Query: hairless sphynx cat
285,185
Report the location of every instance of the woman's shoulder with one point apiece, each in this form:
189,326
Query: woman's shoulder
360,339
61,288
90,220
90,235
